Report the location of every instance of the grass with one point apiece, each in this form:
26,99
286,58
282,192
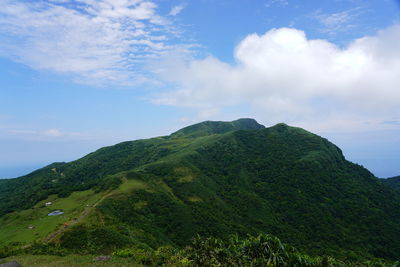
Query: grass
194,199
67,261
33,224
131,185
15,227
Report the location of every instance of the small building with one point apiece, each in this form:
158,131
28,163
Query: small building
55,213
48,203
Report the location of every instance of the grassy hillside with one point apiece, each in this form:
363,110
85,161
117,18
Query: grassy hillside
34,223
217,179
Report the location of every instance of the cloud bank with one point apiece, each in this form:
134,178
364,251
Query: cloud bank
94,41
281,75
284,76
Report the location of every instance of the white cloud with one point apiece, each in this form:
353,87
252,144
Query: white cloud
343,21
94,41
283,76
54,133
176,10
277,2
43,134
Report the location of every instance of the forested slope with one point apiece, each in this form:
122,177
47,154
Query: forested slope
393,182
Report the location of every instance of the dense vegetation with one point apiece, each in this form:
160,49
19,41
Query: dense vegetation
262,250
393,182
216,179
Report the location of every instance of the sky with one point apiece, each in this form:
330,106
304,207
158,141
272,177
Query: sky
76,75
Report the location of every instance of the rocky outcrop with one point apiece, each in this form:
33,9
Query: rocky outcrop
10,264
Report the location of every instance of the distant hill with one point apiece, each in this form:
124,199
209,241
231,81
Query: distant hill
393,182
217,179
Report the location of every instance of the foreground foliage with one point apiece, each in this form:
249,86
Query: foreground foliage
256,251
262,250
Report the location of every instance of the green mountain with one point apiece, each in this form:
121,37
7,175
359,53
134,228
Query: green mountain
212,179
212,127
393,182
92,170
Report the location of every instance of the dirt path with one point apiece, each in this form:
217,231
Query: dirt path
71,223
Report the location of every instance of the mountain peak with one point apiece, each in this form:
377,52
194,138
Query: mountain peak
217,127
280,126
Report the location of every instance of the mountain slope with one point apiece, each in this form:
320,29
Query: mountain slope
393,182
91,170
280,180
215,180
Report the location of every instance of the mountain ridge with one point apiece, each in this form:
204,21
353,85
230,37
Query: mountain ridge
281,180
217,127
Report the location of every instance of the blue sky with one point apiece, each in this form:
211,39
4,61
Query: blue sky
76,75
